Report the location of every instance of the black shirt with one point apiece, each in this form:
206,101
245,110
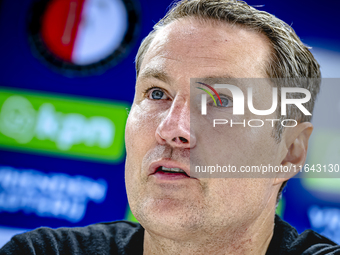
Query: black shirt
125,238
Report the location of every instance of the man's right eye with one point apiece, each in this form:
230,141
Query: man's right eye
157,94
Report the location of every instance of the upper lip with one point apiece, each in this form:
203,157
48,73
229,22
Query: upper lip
168,163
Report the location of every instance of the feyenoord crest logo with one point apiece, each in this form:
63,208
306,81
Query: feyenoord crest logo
82,37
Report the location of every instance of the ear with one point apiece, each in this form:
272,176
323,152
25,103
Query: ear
295,145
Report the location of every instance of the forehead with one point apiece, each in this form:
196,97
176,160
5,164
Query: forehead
204,48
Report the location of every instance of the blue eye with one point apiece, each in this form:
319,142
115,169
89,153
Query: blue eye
225,102
157,94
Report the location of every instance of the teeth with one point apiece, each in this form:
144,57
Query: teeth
176,170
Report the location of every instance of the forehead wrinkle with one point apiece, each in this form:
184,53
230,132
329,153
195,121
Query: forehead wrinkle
163,48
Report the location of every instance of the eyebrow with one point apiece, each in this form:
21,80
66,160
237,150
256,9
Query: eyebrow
215,79
163,76
155,73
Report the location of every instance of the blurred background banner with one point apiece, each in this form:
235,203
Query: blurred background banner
66,85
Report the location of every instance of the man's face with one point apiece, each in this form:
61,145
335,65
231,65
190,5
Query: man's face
158,133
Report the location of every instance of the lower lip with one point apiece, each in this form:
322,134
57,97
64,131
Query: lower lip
170,176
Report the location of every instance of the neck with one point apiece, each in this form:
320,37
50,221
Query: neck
253,239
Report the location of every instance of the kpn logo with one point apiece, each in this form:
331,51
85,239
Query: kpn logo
237,102
62,125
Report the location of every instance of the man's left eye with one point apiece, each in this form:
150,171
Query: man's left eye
157,94
226,102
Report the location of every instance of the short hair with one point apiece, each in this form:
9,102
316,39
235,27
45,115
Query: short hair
289,57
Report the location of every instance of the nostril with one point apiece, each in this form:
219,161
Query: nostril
183,140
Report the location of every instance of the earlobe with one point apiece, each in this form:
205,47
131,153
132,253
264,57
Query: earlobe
296,145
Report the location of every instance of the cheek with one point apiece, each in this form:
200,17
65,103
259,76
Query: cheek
242,146
140,130
139,138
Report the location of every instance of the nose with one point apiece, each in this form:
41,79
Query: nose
174,128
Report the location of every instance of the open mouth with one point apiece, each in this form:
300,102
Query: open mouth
171,171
